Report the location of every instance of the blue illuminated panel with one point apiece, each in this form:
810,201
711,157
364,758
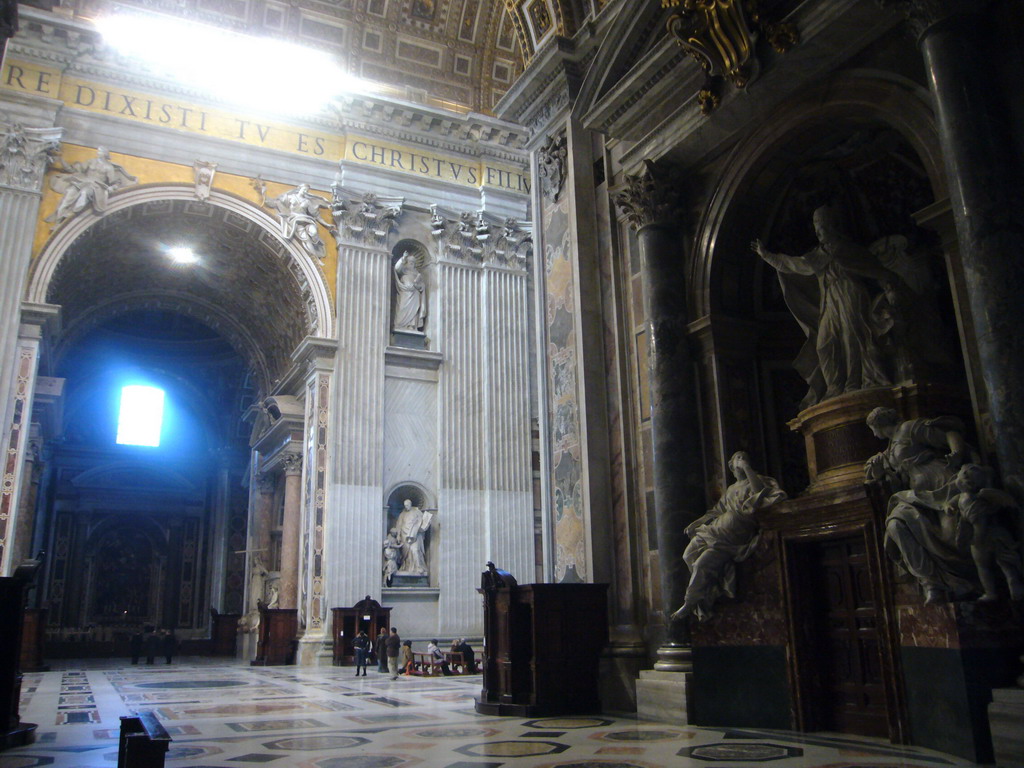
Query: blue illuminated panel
141,416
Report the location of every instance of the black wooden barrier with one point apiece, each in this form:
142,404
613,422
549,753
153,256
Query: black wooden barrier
144,742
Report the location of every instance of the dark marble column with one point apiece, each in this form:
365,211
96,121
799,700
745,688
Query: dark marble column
958,41
651,204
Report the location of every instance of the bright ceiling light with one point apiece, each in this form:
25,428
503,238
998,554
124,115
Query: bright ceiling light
182,255
251,71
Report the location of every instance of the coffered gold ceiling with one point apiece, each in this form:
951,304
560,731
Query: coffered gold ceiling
461,54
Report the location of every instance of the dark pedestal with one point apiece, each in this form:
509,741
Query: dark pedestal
223,633
33,637
277,643
543,646
13,732
368,616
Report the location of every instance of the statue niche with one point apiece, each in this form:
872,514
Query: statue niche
410,290
409,547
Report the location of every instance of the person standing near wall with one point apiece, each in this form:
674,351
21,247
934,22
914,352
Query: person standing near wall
393,644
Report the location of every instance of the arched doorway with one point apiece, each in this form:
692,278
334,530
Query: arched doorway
215,336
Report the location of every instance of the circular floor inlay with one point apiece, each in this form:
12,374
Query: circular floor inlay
192,684
640,735
361,761
740,752
317,743
529,748
563,723
453,733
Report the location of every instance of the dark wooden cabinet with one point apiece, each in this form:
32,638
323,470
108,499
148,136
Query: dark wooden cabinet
277,637
223,633
33,637
543,645
368,616
13,732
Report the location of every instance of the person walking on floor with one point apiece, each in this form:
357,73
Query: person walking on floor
361,644
381,650
392,644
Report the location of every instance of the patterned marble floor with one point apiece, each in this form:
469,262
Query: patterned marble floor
227,714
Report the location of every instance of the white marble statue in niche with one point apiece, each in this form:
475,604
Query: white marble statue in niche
410,294
830,291
298,214
919,469
724,536
86,184
412,526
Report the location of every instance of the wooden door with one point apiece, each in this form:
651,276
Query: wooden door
842,654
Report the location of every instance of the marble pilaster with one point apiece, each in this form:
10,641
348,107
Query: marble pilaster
485,484
987,194
290,532
354,527
218,528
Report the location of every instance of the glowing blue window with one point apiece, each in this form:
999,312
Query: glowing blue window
141,415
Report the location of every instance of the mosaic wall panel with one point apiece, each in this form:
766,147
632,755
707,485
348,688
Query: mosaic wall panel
563,392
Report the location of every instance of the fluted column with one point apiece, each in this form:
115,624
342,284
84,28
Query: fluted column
510,493
288,596
987,194
651,206
354,527
485,496
462,498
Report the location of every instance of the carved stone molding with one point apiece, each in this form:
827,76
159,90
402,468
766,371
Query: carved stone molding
204,171
649,198
292,463
25,154
477,237
363,217
921,15
552,165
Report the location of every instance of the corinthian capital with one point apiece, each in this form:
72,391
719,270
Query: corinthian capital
649,198
921,15
363,217
25,154
292,464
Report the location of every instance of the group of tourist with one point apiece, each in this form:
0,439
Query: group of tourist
396,656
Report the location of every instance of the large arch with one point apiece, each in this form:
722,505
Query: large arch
309,279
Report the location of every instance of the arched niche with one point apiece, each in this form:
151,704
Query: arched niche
867,144
420,497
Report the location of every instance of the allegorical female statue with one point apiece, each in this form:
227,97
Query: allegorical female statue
87,184
411,297
298,213
922,525
726,535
